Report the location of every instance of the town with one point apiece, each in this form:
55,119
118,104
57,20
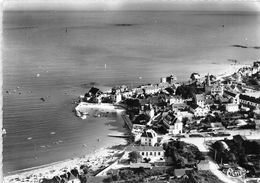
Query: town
202,130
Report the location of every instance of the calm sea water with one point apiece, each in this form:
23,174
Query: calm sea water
69,50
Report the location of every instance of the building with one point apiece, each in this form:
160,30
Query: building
176,99
256,67
170,79
232,107
163,80
199,111
172,124
195,76
154,153
151,89
249,101
149,138
127,94
217,89
232,95
94,92
200,100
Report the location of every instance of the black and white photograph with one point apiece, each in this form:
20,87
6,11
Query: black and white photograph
158,91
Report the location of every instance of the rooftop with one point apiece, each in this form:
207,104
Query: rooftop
144,148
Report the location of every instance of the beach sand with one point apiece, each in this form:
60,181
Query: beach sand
100,158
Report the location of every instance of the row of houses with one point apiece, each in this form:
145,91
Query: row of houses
243,99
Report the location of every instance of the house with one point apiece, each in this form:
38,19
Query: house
69,178
151,89
199,111
256,67
163,80
195,76
149,110
176,99
127,94
170,79
200,100
217,89
94,92
154,153
170,90
149,137
184,114
172,124
232,95
232,107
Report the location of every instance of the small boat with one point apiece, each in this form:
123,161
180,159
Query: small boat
29,138
4,131
52,133
83,116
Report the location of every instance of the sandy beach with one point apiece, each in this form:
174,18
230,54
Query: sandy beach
100,158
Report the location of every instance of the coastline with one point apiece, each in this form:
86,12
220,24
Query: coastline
100,158
96,160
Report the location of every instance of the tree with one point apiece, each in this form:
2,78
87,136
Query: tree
185,120
134,156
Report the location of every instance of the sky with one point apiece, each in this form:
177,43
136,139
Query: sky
121,5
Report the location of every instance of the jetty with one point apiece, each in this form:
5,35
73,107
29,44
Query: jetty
128,122
120,135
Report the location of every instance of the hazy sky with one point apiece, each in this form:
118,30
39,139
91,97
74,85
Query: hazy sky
194,5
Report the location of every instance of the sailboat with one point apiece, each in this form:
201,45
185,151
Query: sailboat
4,131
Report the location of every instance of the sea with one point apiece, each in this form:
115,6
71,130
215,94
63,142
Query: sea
52,57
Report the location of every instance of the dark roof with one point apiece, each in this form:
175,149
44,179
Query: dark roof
147,134
249,98
144,148
93,90
230,93
193,105
170,118
170,90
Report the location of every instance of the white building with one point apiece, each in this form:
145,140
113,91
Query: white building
149,138
200,100
152,152
127,94
217,89
151,89
199,111
176,100
232,107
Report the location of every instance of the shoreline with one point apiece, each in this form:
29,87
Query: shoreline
96,160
